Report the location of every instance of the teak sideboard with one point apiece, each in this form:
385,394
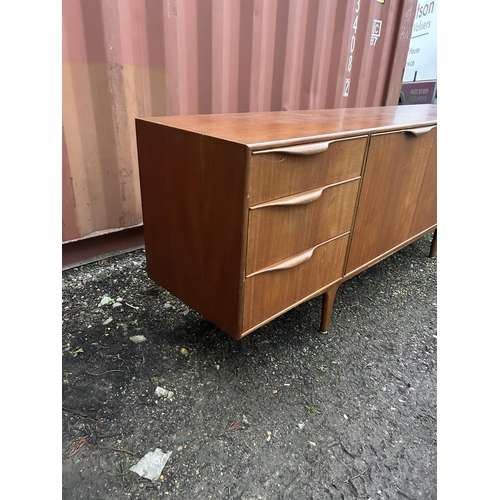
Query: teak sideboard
247,215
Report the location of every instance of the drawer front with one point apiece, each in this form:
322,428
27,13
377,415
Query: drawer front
287,226
271,292
285,171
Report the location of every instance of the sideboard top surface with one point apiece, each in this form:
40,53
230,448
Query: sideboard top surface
259,130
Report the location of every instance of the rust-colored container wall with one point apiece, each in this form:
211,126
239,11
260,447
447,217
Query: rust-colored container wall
124,59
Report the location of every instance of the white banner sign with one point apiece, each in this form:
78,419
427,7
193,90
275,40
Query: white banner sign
421,63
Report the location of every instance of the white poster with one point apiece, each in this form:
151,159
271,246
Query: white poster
421,62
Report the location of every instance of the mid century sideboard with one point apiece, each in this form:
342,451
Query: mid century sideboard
247,215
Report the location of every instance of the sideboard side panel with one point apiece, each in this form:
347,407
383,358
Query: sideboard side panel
193,192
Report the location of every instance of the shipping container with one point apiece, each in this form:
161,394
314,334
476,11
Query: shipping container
124,59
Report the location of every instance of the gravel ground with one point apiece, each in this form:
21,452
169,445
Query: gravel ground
285,413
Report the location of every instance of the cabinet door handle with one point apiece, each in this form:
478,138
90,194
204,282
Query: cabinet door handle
417,132
302,150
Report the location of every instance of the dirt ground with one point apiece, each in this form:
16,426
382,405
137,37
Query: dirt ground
285,413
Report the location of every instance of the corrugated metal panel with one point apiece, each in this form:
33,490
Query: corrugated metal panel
130,58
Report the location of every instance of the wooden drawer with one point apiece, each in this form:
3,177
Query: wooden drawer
278,288
287,226
279,172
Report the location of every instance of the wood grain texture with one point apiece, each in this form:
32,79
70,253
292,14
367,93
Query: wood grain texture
425,216
269,293
275,232
274,175
285,128
242,232
392,187
194,218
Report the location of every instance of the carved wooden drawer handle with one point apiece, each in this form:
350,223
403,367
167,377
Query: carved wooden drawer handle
301,198
295,199
303,149
417,132
296,260
288,263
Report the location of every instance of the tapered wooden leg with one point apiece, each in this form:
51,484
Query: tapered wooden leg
327,308
434,244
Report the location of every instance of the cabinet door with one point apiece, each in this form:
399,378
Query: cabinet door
398,195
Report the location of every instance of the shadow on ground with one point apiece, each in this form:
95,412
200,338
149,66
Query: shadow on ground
285,413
